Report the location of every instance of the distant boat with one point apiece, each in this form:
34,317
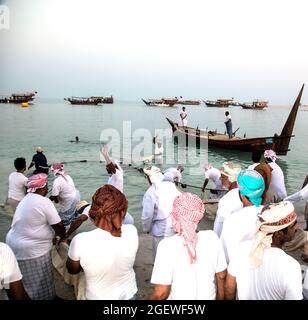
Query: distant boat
104,99
18,97
220,103
189,102
257,104
84,100
278,143
164,102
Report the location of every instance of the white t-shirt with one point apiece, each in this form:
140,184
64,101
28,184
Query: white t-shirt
31,233
228,204
228,117
189,281
277,187
252,166
277,278
239,226
107,262
116,179
9,270
214,175
17,183
157,208
65,190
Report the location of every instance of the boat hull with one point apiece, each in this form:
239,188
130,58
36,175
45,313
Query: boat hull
219,140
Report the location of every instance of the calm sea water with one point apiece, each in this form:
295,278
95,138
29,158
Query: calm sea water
53,123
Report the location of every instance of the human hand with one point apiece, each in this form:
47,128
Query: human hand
104,150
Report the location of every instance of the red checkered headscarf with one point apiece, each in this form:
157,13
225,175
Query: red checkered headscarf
37,181
270,154
188,210
58,170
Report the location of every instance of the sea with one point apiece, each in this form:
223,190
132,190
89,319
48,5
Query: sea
129,127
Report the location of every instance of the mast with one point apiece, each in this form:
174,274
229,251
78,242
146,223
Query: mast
281,146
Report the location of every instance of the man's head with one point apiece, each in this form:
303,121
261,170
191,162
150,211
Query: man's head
57,168
108,209
270,155
208,166
39,150
111,168
279,218
277,225
81,205
183,108
153,174
251,185
187,211
256,156
180,168
229,172
38,184
226,113
20,164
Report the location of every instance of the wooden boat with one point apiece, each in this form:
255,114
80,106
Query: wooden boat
104,99
278,143
257,104
220,103
18,97
164,102
83,100
189,102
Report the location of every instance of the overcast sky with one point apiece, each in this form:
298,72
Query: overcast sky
135,49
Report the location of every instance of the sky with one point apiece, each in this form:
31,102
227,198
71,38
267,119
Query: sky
133,49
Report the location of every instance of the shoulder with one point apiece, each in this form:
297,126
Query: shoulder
208,235
233,193
5,249
129,230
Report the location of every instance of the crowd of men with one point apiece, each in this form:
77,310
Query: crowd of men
244,257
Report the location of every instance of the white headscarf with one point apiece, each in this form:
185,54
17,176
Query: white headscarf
231,170
274,217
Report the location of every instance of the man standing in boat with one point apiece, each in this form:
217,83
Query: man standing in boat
183,116
228,124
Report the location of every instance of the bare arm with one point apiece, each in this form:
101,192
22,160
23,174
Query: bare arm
31,164
54,198
104,152
305,182
161,292
17,291
220,283
230,287
73,267
59,229
76,224
206,181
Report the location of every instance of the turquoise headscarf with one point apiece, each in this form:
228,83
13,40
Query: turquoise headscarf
251,185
